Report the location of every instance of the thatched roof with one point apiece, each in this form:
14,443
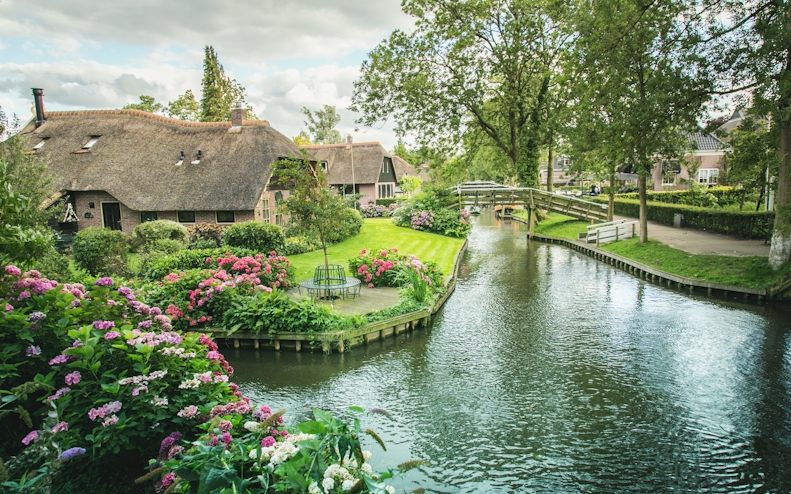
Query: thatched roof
368,157
135,158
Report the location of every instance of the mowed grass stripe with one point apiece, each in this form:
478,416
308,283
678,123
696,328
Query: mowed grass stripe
380,233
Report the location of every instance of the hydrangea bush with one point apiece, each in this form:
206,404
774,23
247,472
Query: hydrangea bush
386,267
377,211
92,367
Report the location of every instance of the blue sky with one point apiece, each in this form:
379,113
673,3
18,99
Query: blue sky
92,55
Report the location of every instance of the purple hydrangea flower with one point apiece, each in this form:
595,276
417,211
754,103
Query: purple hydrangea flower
36,316
106,281
32,350
71,453
30,438
111,335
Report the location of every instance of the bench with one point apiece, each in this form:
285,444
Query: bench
330,282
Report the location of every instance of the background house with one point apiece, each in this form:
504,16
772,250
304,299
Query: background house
365,166
123,167
560,172
705,154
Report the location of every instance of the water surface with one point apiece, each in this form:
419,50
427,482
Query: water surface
547,371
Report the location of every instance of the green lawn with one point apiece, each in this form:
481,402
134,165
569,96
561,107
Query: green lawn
753,272
378,233
559,225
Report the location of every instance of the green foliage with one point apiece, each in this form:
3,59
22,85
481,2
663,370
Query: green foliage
219,91
205,231
185,107
468,70
147,104
202,243
25,184
434,210
723,196
744,224
322,126
254,235
302,139
348,225
276,312
300,244
53,265
100,251
146,234
386,202
405,306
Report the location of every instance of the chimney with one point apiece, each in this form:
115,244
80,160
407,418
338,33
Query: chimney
38,97
349,141
238,114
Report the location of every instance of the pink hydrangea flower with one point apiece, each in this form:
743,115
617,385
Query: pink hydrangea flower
268,442
13,270
30,437
73,378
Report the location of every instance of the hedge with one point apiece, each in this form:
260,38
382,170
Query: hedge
742,224
385,202
725,196
190,259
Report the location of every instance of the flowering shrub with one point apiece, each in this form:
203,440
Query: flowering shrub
190,259
248,450
200,296
385,267
377,211
422,220
376,267
434,211
109,369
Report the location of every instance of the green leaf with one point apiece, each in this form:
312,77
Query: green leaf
357,409
111,388
63,322
312,427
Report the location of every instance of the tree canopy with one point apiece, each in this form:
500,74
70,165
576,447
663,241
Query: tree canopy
470,66
321,125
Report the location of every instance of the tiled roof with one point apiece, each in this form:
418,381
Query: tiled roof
705,142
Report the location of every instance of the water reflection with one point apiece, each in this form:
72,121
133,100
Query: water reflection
550,371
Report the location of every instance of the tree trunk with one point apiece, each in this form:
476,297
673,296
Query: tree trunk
741,199
641,184
780,249
611,194
550,165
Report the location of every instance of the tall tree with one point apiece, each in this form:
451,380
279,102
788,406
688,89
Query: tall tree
322,125
470,64
641,81
302,139
220,92
753,152
185,107
147,103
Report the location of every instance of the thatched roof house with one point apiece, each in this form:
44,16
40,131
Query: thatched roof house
121,167
366,166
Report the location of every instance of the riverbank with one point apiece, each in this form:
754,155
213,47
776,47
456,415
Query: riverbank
733,270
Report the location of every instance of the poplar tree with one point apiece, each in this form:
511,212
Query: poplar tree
322,125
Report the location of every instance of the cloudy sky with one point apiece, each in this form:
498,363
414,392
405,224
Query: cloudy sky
90,54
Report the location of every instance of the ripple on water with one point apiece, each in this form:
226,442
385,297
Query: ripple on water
548,371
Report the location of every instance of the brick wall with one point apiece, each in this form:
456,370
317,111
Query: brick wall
131,218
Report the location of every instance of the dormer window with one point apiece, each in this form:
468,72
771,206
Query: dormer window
323,165
198,158
40,144
181,159
88,145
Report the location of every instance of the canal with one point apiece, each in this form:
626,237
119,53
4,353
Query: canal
549,371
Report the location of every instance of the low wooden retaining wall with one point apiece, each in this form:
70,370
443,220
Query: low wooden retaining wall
658,276
342,340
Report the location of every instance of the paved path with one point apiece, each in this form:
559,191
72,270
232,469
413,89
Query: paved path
369,300
701,242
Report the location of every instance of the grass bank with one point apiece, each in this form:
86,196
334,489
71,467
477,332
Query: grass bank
752,272
381,233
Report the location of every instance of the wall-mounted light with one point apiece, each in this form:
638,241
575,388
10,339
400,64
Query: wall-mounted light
90,205
197,160
88,215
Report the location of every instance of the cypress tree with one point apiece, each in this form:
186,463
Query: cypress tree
213,104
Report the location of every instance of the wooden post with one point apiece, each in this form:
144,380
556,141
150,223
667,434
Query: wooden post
277,345
236,342
325,346
298,345
255,343
341,347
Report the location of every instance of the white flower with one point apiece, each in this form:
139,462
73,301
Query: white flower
328,484
366,469
347,484
314,489
390,489
251,426
367,455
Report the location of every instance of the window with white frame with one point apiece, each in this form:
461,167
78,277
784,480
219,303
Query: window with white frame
385,191
265,211
40,144
323,165
670,171
90,143
385,166
708,175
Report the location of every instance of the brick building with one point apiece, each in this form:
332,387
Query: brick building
119,168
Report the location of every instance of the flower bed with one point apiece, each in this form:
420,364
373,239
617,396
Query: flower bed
378,211
386,267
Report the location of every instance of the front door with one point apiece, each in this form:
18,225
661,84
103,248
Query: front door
111,213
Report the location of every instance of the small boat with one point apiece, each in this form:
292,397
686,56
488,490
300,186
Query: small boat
475,210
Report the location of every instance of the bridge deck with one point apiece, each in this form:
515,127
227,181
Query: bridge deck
477,193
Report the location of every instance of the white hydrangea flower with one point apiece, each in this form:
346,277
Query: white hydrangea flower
314,489
367,455
366,469
328,484
347,484
390,489
251,426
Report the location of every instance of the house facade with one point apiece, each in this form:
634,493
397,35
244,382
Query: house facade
560,172
119,168
364,168
705,158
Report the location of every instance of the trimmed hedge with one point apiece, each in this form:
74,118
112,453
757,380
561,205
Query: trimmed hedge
726,196
145,235
255,235
100,251
742,224
386,202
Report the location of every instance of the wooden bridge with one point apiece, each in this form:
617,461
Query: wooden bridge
494,194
